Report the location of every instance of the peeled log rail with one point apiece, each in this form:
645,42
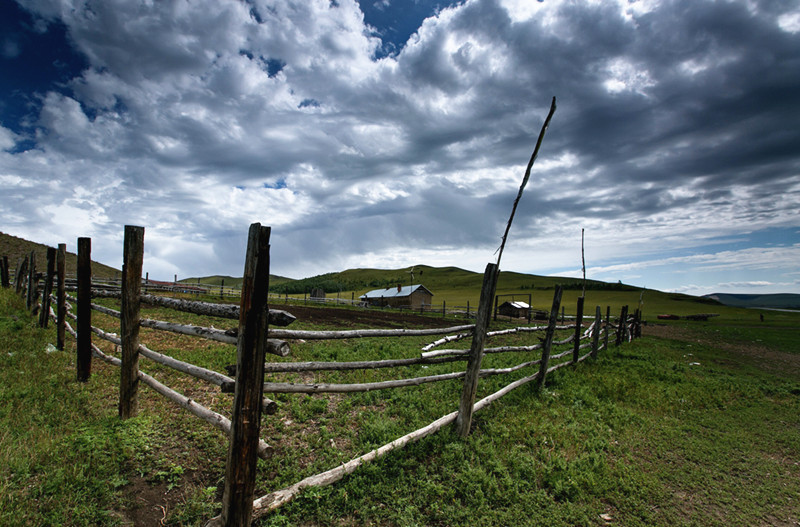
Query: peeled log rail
504,349
214,419
270,406
282,387
461,336
275,367
273,500
361,333
277,317
275,347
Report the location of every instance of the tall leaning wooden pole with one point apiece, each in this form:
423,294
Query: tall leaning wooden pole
470,386
84,310
132,255
240,472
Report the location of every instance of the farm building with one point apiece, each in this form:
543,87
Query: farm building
412,296
514,309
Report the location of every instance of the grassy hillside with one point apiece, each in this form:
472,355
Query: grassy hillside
697,426
16,248
779,301
231,281
457,287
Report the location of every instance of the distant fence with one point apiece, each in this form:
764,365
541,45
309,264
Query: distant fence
255,338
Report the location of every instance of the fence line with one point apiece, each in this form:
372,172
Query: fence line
251,339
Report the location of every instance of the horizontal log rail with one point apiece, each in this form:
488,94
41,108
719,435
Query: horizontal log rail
462,336
198,372
277,317
218,421
275,346
273,500
362,333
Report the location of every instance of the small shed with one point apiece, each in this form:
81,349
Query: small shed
514,309
410,296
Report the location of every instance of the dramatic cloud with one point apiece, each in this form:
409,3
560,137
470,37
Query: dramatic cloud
403,139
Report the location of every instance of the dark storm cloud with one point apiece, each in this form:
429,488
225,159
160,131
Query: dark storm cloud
203,118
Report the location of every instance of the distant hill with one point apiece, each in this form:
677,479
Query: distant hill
231,281
433,278
775,301
16,248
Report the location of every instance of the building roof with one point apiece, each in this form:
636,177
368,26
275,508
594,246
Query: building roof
518,305
394,292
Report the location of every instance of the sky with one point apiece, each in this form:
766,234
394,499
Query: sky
388,133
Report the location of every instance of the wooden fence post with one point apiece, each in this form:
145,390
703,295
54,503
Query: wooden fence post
44,315
470,386
133,251
638,327
608,326
598,320
61,296
19,276
578,328
4,278
84,309
32,282
622,322
548,338
240,471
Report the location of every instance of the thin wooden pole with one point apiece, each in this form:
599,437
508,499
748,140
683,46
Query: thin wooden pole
576,348
623,316
470,386
44,315
5,276
84,309
61,296
608,327
32,290
240,472
133,253
598,320
19,276
548,337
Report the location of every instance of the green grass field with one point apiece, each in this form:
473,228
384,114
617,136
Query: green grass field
697,423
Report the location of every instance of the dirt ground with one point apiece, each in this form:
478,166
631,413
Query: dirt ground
765,358
365,318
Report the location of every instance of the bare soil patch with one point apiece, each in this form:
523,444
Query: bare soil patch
765,358
366,318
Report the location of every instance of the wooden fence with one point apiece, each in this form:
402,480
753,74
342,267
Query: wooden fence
262,331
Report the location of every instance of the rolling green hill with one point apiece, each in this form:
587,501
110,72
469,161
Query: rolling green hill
16,248
775,301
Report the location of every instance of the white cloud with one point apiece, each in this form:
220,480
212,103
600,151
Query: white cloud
196,119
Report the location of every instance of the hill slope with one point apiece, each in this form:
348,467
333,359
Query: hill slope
16,248
776,301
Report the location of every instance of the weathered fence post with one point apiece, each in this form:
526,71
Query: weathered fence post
621,326
84,310
638,328
32,282
598,320
578,328
19,276
470,386
4,274
61,296
548,338
608,325
240,472
44,315
132,255
530,307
